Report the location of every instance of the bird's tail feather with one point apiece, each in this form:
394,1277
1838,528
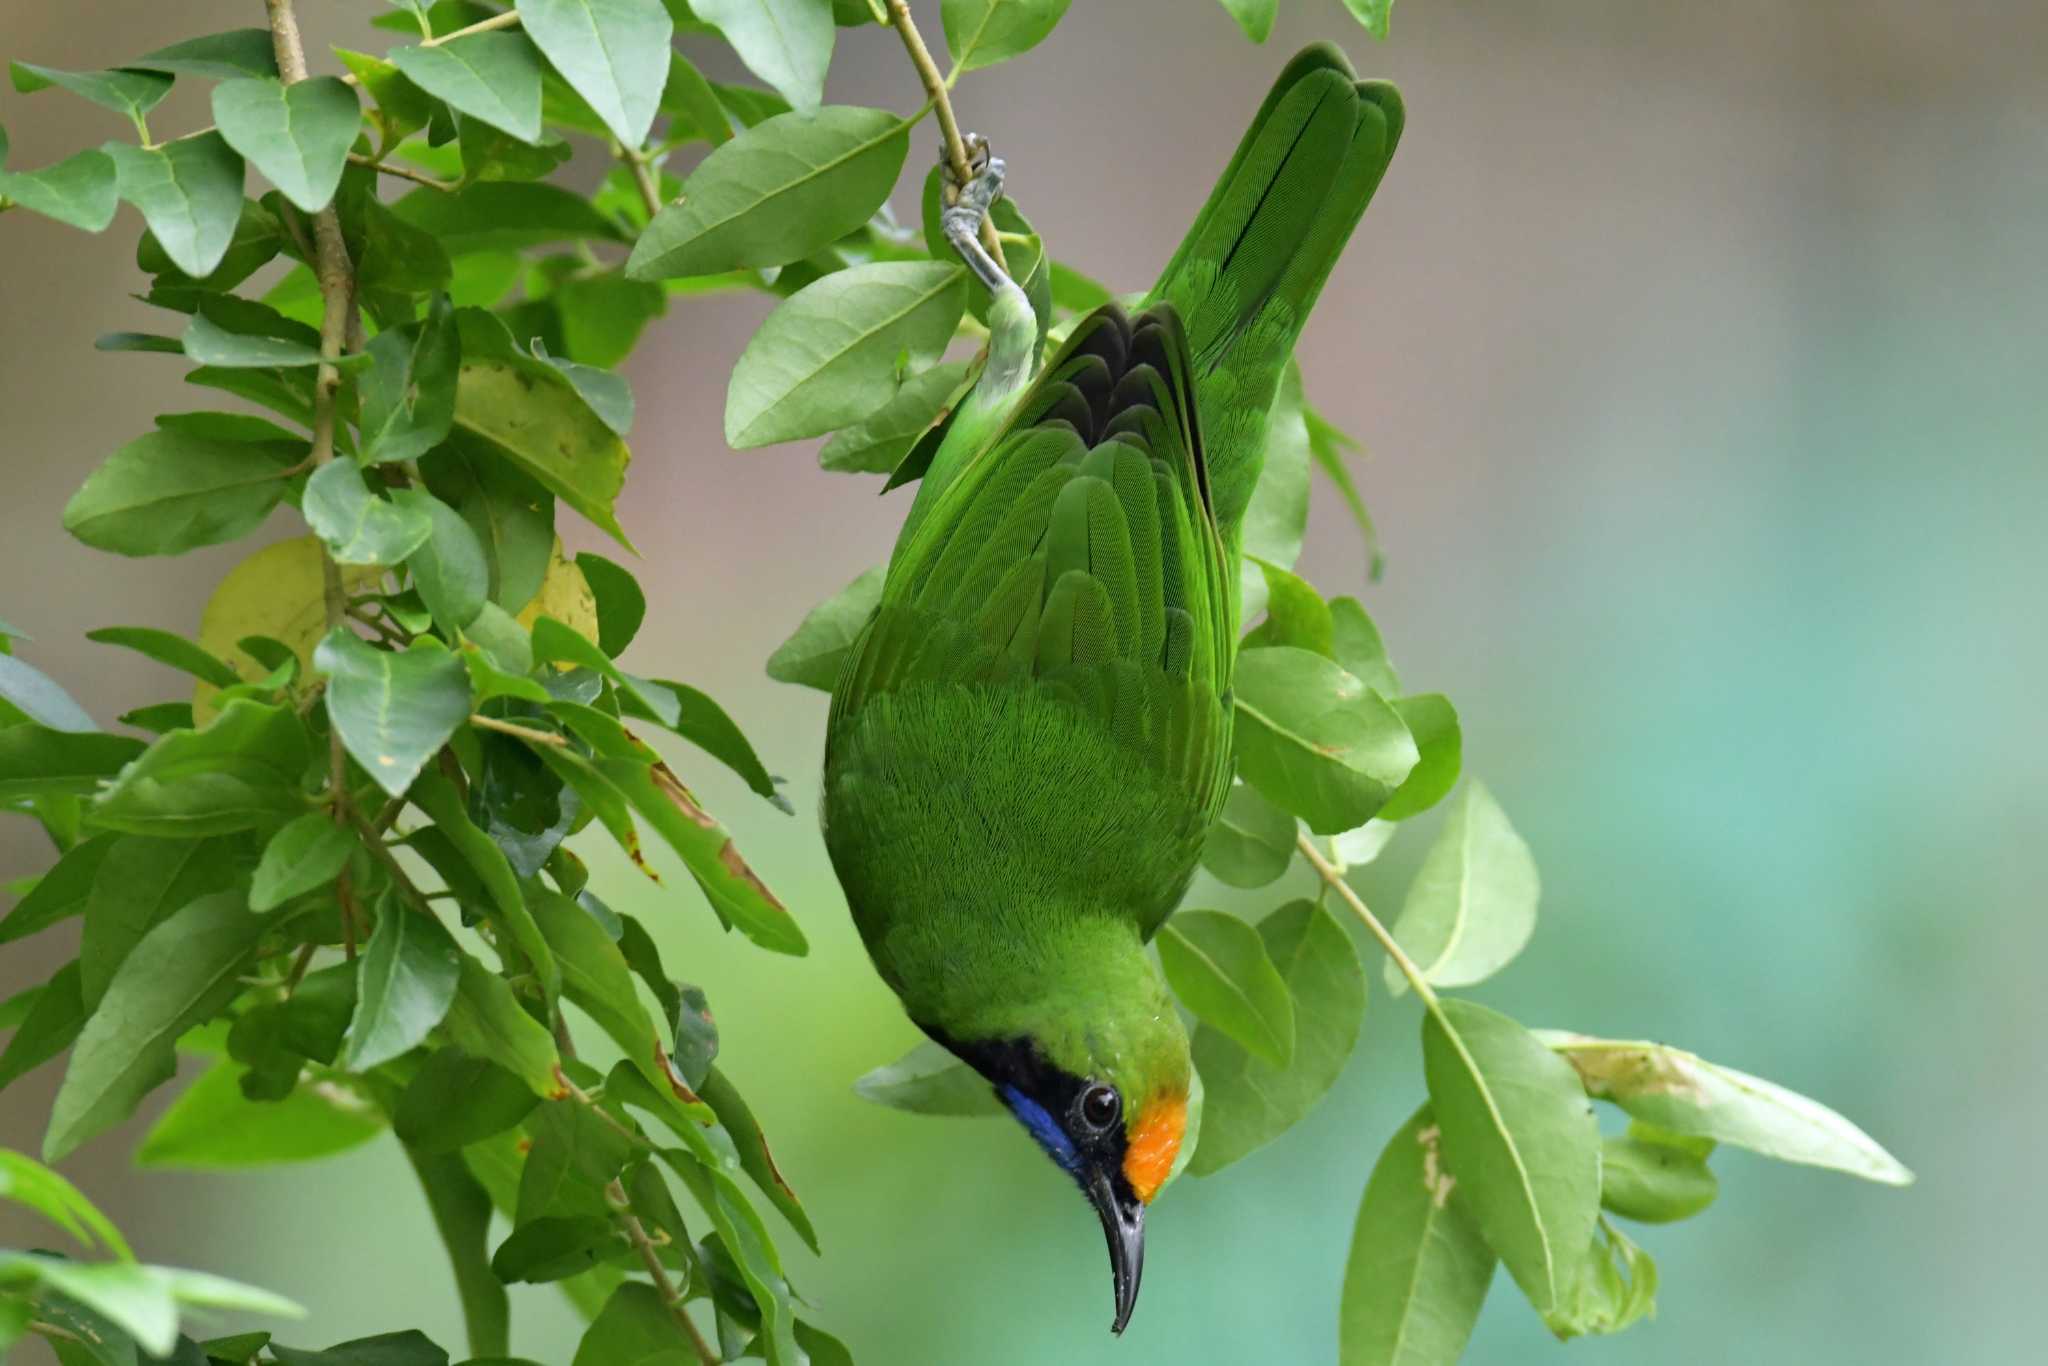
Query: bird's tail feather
1250,268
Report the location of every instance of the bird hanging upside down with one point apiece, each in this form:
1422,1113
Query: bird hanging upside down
1032,734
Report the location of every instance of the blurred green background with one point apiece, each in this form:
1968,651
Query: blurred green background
1699,352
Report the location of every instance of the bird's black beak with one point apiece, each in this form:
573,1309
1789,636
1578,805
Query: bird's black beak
1123,1223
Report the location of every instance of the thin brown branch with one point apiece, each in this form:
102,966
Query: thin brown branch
402,172
949,126
664,1284
506,20
526,733
337,292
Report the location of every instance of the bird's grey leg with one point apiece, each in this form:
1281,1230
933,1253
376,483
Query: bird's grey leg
1013,327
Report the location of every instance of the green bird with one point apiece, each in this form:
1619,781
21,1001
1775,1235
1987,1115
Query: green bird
1031,736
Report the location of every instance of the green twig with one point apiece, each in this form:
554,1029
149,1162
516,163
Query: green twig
1333,879
650,1257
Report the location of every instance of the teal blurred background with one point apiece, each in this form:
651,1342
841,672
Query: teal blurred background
1699,353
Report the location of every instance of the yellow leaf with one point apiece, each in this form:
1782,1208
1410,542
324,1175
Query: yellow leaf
564,595
276,592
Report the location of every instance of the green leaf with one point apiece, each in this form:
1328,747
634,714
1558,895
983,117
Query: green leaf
1252,841
613,52
462,1214
1329,445
755,1158
1217,966
1685,1094
1472,905
1373,14
1074,292
525,411
981,33
132,1301
1419,1266
80,190
1359,649
555,1247
297,135
60,893
777,193
512,516
402,107
1646,1178
787,43
133,93
357,526
37,696
1295,614
604,393
54,1020
812,656
30,1183
1315,741
491,76
574,1155
1613,1286
219,56
1520,1138
828,351
735,892
929,1080
449,568
288,393
182,972
505,216
595,977
1433,721
408,391
634,1325
166,492
1248,1103
436,796
394,709
1276,520
487,1022
878,443
705,724
621,606
410,1348
140,883
408,978
455,1100
165,648
189,192
554,642
36,761
214,1126
242,770
1255,17
208,343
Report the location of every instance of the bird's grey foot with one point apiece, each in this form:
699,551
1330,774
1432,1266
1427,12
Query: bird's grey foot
961,220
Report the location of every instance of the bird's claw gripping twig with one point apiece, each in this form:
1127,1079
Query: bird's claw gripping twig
961,220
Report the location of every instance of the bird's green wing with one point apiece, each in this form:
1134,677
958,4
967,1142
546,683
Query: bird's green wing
1076,552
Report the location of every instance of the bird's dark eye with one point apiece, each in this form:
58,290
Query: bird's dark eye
1100,1106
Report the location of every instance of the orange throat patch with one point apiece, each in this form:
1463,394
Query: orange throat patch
1154,1143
